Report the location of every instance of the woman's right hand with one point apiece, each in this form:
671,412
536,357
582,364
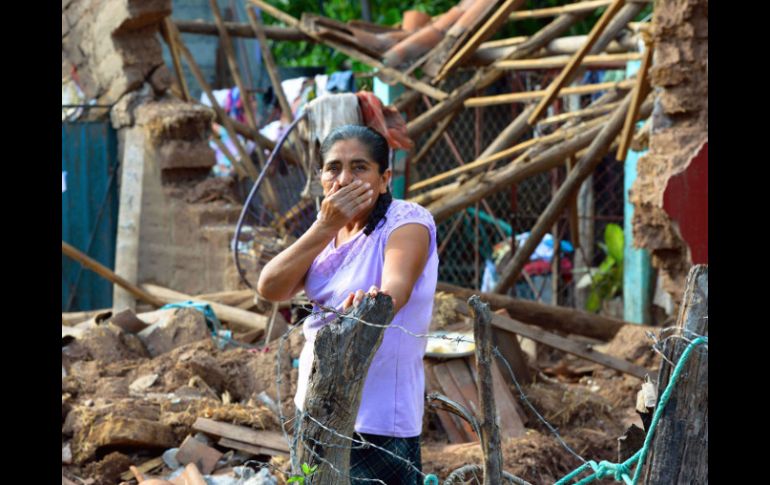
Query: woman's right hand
342,204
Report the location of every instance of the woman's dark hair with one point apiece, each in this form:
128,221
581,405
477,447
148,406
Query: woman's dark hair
378,150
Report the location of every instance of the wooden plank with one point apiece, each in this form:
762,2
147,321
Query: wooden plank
73,318
581,113
104,272
132,170
223,312
511,421
453,431
450,390
461,374
509,348
561,343
145,467
249,448
267,439
569,71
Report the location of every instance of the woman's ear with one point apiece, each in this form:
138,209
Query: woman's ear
386,175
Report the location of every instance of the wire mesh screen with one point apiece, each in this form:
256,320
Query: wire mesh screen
467,239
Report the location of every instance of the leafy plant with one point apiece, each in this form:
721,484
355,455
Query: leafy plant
608,280
307,472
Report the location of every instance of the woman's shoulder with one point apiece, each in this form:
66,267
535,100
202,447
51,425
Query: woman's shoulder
403,212
403,209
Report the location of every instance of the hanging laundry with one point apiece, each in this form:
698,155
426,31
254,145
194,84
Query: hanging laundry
330,111
341,82
385,120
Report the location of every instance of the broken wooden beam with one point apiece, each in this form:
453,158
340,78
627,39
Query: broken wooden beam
223,312
549,317
490,431
239,29
561,343
343,352
679,447
98,268
262,438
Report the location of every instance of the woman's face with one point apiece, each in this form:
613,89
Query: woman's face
349,160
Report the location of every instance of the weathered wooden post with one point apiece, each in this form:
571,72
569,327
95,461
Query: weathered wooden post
344,349
679,449
490,431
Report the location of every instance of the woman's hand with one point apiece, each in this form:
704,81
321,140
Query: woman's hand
354,299
342,204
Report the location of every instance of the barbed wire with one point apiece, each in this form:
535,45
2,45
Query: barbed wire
362,443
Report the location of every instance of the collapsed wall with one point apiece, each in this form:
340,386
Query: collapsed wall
679,132
167,235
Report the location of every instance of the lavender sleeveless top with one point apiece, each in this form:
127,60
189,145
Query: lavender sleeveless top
392,399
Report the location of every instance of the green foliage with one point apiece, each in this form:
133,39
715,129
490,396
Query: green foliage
608,280
307,472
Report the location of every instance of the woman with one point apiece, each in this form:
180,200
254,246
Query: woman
361,239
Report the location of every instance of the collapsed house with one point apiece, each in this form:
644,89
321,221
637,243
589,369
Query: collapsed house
187,391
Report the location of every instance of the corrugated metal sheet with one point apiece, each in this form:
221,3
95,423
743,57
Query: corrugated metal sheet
89,210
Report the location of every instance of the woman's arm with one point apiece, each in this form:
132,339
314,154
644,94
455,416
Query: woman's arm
284,275
406,254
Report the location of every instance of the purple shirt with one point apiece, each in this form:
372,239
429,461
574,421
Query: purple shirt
392,400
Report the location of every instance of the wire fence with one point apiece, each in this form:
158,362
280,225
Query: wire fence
468,240
298,439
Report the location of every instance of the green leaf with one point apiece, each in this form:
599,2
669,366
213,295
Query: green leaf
606,265
594,302
305,469
313,469
613,236
296,478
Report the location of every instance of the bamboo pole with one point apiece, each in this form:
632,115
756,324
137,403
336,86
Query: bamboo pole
486,30
553,62
489,75
641,89
570,69
533,95
244,160
272,70
504,42
138,293
399,76
583,169
553,11
238,29
173,48
434,137
232,63
483,162
581,113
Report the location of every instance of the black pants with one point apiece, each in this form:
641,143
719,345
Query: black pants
370,462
